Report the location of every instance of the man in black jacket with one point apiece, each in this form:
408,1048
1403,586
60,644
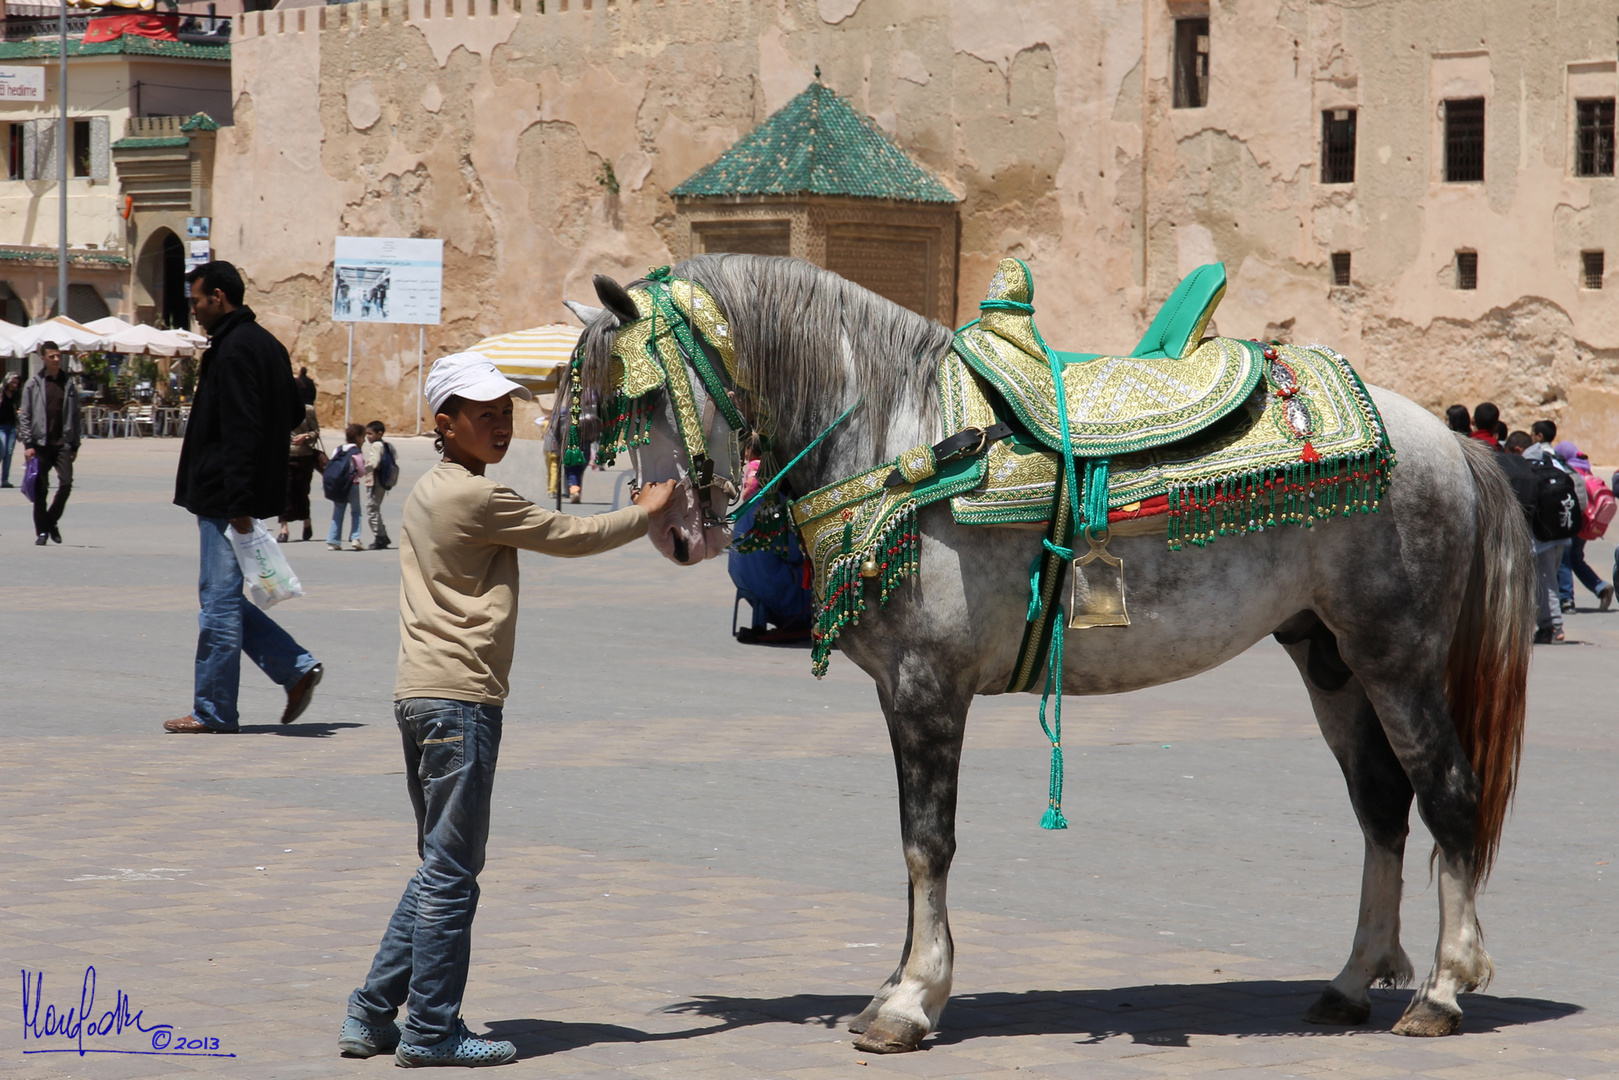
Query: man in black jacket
233,468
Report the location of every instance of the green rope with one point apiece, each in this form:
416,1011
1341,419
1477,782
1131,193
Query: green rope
774,480
1053,818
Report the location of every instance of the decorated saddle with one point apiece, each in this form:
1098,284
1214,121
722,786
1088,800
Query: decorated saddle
1194,437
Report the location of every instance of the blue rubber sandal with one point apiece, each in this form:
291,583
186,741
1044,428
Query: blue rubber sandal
460,1049
362,1040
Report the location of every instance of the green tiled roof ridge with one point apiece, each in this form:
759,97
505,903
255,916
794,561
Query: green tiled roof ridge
133,45
817,144
150,142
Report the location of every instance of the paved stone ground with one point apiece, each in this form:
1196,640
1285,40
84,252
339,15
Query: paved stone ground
694,869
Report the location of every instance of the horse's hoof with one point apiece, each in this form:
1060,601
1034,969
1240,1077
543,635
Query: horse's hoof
1427,1019
860,1023
1335,1007
891,1036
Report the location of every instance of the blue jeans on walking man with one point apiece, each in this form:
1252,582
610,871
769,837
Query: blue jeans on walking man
8,443
450,753
230,625
351,503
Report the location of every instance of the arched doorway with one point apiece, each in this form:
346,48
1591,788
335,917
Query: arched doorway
162,270
84,304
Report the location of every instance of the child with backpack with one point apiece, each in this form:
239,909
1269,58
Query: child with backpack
341,482
381,474
1550,498
1598,506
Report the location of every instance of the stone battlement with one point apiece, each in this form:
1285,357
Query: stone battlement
363,14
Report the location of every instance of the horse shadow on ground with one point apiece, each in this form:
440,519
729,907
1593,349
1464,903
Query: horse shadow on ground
1158,1015
295,730
1165,1015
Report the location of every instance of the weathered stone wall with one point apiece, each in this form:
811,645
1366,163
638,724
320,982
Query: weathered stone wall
494,127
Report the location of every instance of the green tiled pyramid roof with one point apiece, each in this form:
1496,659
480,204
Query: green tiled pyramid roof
817,144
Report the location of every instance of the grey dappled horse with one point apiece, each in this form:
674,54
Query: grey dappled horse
1411,627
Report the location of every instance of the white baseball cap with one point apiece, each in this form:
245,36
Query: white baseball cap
470,375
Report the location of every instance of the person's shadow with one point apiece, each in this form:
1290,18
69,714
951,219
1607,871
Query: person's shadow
296,730
1160,1015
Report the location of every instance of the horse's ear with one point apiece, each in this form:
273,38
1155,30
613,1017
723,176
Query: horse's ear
583,312
615,299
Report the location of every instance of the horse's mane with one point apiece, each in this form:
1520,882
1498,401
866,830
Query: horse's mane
802,335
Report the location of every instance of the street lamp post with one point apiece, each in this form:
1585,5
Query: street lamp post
62,141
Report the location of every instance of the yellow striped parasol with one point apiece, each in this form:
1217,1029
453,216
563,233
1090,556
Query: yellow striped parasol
533,357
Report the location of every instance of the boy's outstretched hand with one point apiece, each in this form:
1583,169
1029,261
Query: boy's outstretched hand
654,497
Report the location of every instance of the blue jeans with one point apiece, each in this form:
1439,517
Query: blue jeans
352,505
8,442
450,752
1574,565
229,625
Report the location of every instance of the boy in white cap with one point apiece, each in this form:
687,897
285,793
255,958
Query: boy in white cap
457,624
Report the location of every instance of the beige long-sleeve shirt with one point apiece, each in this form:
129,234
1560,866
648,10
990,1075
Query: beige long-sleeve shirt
458,581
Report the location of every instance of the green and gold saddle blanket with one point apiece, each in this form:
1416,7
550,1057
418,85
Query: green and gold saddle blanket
1211,437
1274,460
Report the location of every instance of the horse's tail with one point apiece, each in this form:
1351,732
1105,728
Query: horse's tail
1487,673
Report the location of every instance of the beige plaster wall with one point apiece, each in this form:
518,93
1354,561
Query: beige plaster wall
492,125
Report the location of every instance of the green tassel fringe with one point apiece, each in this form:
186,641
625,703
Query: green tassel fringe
1300,493
898,555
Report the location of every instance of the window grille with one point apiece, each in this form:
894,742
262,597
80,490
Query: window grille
1340,268
1338,146
1467,269
1464,140
17,160
1593,133
1191,63
1591,268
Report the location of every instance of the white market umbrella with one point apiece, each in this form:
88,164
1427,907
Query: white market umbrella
71,336
150,341
110,325
8,334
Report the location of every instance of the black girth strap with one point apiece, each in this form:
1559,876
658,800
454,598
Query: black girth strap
966,443
1028,668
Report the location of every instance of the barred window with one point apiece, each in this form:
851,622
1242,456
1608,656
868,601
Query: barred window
1591,268
1191,63
1593,137
1464,140
1467,269
1338,146
1340,268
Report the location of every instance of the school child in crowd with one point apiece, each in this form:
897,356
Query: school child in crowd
1597,517
342,482
1459,419
381,474
1486,418
457,629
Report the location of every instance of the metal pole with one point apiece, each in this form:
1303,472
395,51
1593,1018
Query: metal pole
61,166
348,386
421,353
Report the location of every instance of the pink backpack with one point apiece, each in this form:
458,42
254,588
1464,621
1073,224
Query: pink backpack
1600,507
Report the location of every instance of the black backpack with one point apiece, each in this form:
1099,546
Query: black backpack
338,479
387,467
1547,496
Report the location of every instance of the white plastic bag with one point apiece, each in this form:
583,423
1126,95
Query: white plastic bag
265,572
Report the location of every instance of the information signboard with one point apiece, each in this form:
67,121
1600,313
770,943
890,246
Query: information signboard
382,280
22,83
